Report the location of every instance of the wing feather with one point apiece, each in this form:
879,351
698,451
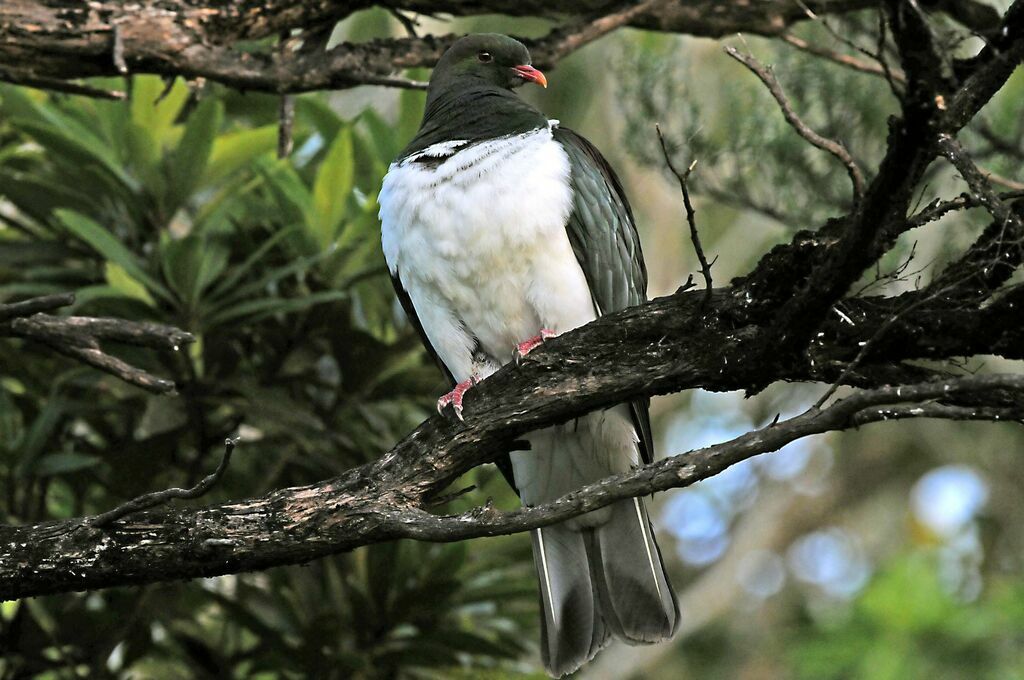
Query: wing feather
604,238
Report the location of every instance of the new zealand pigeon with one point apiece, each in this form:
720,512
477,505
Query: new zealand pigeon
502,228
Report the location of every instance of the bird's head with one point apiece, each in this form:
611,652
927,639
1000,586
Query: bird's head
490,58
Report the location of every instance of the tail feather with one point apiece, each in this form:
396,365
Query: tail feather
572,630
601,573
636,598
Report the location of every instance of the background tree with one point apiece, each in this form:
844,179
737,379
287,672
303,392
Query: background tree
864,207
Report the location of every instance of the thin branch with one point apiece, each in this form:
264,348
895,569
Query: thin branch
944,412
938,208
980,184
57,85
156,498
45,303
833,147
79,337
566,40
1010,184
408,23
286,121
836,35
846,60
866,347
685,469
691,216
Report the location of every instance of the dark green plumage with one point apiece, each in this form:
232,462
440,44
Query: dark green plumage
604,238
472,100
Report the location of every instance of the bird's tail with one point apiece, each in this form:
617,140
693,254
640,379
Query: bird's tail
572,630
601,580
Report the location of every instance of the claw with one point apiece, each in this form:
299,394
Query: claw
530,344
455,396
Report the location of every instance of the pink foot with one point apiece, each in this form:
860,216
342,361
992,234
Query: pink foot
455,396
527,346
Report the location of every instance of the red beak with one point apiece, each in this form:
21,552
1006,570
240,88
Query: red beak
530,74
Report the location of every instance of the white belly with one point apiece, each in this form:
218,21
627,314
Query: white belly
479,243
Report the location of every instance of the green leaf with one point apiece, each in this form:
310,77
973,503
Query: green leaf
235,150
103,242
37,197
121,281
255,310
154,107
190,264
258,288
332,187
322,116
39,433
81,149
188,162
410,110
64,462
236,274
289,191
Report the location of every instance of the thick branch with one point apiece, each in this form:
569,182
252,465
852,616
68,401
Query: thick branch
644,350
48,41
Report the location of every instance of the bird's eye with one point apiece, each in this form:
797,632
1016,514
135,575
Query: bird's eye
485,57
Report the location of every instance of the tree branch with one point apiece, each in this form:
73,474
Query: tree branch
79,337
152,500
383,500
833,147
691,217
53,41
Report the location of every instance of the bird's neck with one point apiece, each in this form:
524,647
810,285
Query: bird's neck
475,113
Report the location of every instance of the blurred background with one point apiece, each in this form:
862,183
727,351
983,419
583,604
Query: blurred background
891,552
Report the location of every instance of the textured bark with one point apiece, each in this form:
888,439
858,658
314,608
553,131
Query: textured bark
45,41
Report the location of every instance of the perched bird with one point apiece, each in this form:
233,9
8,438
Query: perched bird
502,228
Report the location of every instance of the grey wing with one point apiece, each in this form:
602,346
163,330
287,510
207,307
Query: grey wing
603,235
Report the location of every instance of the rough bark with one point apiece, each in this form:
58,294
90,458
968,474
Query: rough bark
53,41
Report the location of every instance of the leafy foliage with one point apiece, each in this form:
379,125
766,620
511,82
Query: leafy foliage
165,208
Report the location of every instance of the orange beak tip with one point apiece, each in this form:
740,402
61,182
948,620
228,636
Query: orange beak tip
530,74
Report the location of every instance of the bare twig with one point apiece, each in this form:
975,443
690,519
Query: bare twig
838,57
1010,184
691,216
45,303
117,50
868,345
896,79
57,85
286,121
567,39
839,37
155,498
833,147
939,208
79,337
408,23
980,184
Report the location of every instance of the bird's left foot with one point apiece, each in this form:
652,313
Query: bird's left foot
455,396
530,344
